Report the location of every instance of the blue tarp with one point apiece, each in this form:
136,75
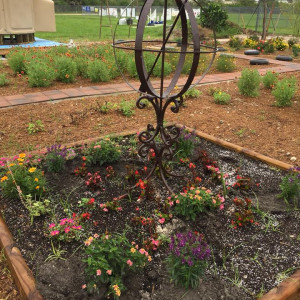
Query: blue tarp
38,43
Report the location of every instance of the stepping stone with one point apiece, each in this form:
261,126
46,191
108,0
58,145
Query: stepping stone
251,52
259,61
284,58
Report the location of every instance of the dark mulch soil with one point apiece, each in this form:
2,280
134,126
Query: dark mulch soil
245,262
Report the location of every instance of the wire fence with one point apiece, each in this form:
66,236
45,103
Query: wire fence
279,21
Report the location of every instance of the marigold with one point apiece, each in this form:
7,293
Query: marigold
36,179
132,250
4,178
31,170
22,155
37,187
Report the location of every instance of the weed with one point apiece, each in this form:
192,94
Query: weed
35,127
222,98
3,80
127,108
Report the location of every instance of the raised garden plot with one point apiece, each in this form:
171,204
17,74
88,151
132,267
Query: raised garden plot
246,260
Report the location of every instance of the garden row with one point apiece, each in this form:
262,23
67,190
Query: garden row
266,46
97,197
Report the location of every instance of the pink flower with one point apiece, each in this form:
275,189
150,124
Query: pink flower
98,272
105,209
84,286
67,229
119,208
177,201
171,203
55,232
162,220
142,250
51,225
109,272
221,206
129,262
96,235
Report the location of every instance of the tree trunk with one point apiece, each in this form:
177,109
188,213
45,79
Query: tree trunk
264,30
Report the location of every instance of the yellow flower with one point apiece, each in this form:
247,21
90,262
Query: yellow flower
31,170
36,179
20,164
11,165
20,159
132,250
22,155
4,178
37,187
149,258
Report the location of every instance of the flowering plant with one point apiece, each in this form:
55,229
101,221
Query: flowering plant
242,214
186,143
196,200
56,158
103,152
81,171
67,229
188,259
110,258
19,176
94,181
242,182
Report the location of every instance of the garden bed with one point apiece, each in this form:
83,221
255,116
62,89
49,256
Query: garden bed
245,262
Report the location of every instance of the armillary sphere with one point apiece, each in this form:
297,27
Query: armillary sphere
165,93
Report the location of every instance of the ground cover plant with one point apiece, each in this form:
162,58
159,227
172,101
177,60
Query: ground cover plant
92,209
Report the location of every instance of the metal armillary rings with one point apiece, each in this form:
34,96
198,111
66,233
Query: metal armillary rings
158,139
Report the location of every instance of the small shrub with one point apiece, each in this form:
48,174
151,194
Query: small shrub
56,158
65,69
110,259
3,80
266,46
250,43
249,82
222,98
20,178
186,143
213,90
270,79
127,108
279,44
242,214
17,62
98,71
235,43
195,201
187,260
192,93
292,42
225,63
35,127
213,16
296,50
284,91
290,187
103,152
82,64
40,75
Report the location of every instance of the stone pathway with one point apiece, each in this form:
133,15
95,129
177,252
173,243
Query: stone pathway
105,89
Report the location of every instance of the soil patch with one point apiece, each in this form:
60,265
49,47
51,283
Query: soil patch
250,122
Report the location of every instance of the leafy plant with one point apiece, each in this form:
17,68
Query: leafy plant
248,83
265,46
98,71
35,127
20,179
56,158
36,208
40,75
290,187
284,91
195,201
103,152
235,43
222,98
279,44
16,60
292,42
296,50
110,258
187,260
270,79
65,69
186,143
225,63
127,108
242,214
67,229
94,181
3,80
192,93
213,16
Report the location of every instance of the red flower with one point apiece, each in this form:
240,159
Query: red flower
83,158
86,216
91,202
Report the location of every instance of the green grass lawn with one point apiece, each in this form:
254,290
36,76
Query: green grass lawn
87,28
